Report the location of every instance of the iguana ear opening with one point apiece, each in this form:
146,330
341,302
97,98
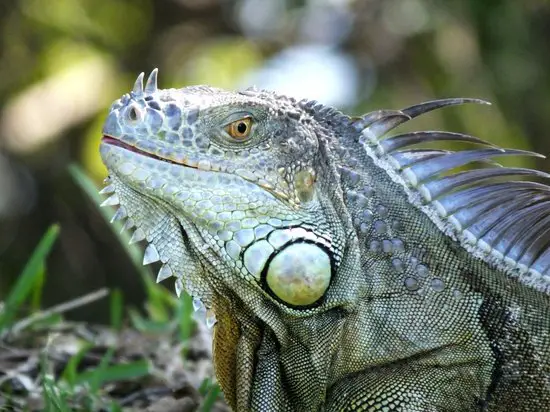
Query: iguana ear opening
304,184
300,274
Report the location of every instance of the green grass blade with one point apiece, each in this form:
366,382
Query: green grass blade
155,293
95,377
54,402
109,373
147,325
185,317
114,407
53,399
35,299
134,251
70,373
31,274
117,309
159,301
210,398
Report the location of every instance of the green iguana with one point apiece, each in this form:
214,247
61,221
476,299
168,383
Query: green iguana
345,269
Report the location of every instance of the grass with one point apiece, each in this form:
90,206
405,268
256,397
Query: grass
96,376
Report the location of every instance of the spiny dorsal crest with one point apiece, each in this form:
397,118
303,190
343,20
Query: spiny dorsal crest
506,223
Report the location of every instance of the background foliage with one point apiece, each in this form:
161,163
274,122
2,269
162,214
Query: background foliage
63,61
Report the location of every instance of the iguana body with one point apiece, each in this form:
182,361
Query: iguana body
345,271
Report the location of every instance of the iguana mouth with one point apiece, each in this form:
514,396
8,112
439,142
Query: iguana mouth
119,143
113,141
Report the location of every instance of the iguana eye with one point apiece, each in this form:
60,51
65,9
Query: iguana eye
239,129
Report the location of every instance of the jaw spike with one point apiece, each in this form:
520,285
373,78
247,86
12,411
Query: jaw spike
112,201
210,319
119,214
138,85
151,86
107,190
197,305
151,255
138,236
127,225
164,273
179,287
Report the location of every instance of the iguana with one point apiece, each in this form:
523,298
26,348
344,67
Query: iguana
346,269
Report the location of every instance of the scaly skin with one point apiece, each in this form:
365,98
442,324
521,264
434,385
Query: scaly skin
340,275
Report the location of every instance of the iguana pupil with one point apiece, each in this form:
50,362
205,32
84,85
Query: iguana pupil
241,128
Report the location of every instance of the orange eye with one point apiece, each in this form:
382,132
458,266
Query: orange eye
239,129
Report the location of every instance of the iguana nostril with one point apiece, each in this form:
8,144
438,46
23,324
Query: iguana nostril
133,114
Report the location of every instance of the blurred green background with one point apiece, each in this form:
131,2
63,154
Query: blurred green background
62,62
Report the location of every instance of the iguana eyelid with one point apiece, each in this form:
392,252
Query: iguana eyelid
232,118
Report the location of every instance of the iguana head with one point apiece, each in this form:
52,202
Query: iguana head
239,173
